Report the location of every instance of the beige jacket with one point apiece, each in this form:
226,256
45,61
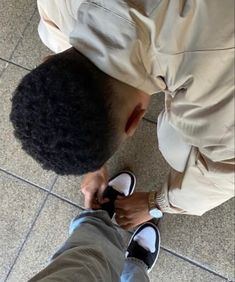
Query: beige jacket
182,47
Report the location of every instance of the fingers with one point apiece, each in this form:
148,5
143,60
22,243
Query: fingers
121,197
93,186
100,193
104,201
121,202
91,202
123,212
121,220
94,197
90,197
124,222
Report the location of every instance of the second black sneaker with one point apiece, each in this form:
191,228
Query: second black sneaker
145,245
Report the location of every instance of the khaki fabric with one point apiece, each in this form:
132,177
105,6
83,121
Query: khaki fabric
182,47
202,186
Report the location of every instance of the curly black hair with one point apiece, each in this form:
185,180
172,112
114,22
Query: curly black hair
62,115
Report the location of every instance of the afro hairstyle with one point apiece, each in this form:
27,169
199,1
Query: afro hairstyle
62,115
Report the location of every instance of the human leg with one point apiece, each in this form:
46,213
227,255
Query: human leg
94,250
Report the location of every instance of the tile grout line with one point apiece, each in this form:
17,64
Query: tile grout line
26,181
5,67
163,248
66,200
19,40
15,64
53,183
197,264
22,36
49,192
149,120
76,205
183,257
27,236
42,188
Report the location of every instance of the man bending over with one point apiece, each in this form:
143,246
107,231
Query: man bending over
73,111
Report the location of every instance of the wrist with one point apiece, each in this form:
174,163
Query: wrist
103,171
99,172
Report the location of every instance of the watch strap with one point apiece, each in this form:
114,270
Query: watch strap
152,200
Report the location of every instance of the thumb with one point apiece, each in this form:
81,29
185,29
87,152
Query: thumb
100,192
89,200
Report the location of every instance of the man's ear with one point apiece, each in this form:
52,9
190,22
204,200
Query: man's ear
134,120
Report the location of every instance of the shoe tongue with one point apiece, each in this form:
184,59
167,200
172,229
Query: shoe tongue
111,193
146,238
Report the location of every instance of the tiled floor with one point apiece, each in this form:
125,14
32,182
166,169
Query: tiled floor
36,206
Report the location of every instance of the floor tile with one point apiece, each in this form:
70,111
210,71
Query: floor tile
69,187
170,268
208,240
140,154
31,51
12,157
14,19
3,65
19,205
155,107
49,232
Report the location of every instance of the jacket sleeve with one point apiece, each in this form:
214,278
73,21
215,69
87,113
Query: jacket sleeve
48,30
202,186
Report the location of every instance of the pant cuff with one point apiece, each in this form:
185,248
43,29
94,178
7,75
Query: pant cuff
138,262
100,214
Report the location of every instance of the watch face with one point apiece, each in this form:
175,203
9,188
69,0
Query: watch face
156,213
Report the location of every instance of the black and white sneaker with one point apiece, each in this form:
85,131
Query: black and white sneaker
145,245
122,184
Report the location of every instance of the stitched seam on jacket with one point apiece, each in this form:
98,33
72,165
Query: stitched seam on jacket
197,51
98,6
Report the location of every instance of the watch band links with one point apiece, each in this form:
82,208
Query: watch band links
152,200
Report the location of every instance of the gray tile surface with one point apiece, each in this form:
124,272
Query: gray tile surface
140,154
49,232
31,51
19,205
15,16
172,269
69,187
3,65
208,240
12,157
155,107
